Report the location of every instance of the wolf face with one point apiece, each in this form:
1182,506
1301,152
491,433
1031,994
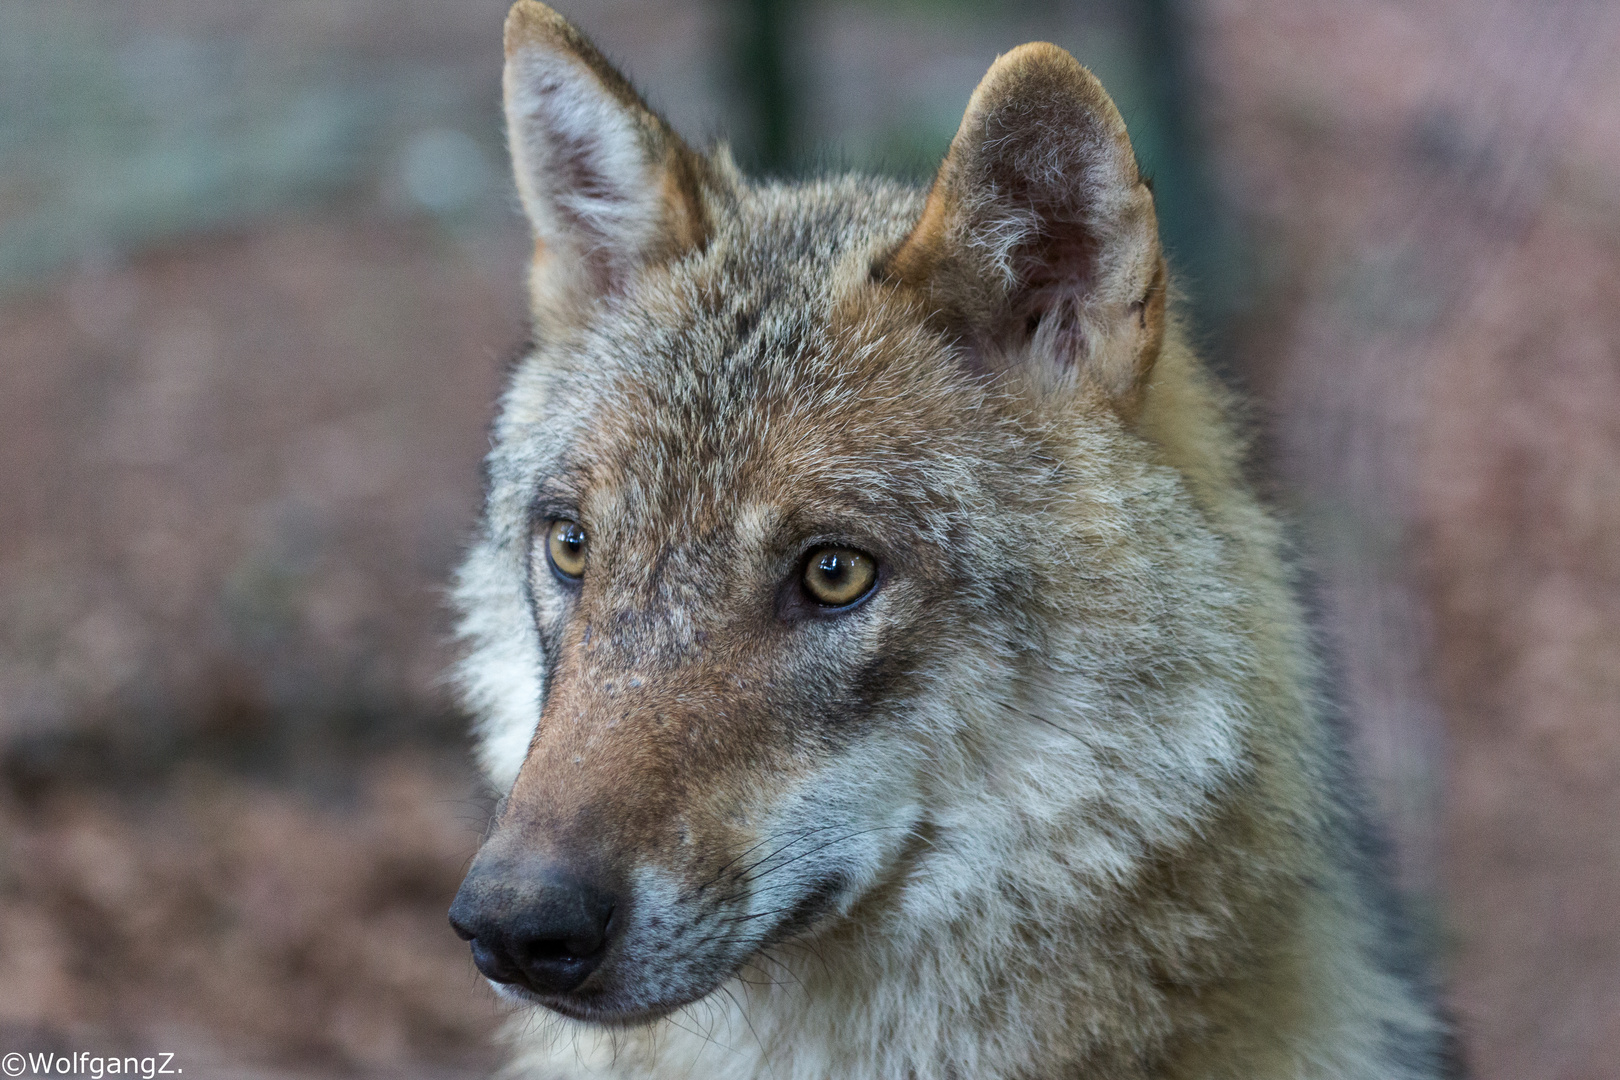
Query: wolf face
856,575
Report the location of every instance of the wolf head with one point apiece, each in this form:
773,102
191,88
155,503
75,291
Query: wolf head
836,546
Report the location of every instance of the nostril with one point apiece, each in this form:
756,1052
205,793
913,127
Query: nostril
551,952
582,947
565,950
461,931
494,964
587,940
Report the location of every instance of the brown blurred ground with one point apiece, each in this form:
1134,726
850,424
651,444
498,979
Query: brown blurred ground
229,922
238,470
258,270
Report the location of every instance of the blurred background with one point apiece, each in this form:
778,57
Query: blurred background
260,269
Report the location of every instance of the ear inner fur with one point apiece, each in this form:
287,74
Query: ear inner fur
608,186
1038,245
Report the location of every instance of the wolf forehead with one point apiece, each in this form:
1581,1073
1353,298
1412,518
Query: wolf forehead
768,378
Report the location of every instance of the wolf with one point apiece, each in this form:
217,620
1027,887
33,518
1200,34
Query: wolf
886,670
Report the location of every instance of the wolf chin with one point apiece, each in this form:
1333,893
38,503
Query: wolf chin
886,669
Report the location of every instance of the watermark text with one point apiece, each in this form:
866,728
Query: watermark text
95,1066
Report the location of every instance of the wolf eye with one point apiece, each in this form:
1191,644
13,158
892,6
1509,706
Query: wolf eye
837,577
565,547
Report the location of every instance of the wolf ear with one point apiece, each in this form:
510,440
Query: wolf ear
607,185
1038,245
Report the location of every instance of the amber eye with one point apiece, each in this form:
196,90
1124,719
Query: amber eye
565,547
837,577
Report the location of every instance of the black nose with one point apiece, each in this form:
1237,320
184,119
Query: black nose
533,926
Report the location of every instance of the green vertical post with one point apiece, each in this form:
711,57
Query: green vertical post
760,65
